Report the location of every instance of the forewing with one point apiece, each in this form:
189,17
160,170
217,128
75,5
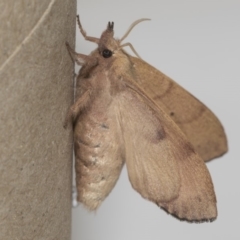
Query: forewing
200,125
162,165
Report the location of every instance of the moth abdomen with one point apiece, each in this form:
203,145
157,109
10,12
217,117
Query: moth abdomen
98,157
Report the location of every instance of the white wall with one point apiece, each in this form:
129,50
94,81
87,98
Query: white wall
197,43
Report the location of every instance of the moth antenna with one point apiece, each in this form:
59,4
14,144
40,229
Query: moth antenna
132,48
83,32
132,26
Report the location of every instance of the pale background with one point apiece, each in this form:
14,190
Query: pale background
197,43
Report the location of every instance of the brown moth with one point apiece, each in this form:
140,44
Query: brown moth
126,111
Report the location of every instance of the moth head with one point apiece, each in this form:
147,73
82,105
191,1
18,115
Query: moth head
108,45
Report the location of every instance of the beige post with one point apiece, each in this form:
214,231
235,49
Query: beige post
36,91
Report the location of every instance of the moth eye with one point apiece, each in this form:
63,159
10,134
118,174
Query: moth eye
106,53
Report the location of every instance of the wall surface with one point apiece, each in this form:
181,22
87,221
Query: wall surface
196,43
35,93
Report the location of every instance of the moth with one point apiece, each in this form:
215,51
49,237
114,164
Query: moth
126,111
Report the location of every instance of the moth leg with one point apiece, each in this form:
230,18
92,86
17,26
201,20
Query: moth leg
79,58
77,107
83,32
132,48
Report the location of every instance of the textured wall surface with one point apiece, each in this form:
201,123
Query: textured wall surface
35,93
